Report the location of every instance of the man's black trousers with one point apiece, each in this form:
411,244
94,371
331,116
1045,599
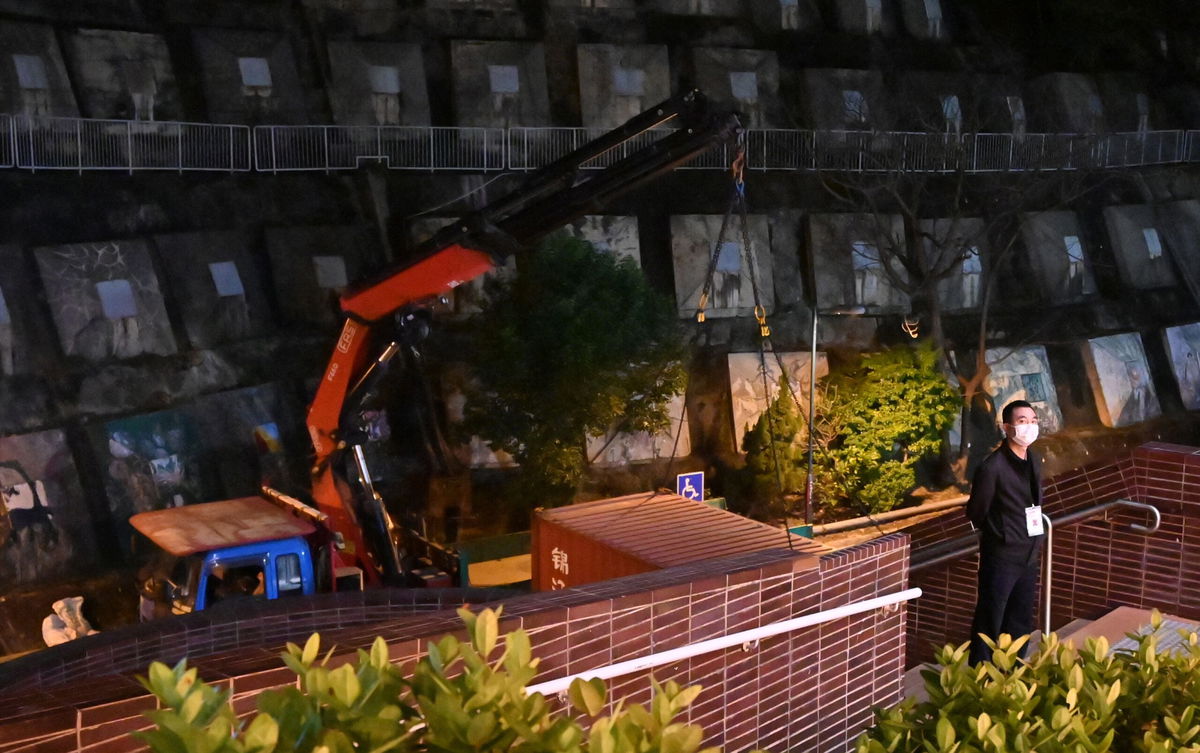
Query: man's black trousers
1007,594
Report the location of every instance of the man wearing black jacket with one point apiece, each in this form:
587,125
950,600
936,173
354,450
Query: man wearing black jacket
1006,507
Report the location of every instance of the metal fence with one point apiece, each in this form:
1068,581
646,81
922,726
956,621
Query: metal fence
42,143
531,148
288,148
46,143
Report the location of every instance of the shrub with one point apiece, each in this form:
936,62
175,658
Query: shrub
887,413
1059,699
455,699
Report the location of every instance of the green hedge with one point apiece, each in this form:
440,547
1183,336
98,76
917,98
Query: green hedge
1058,699
456,699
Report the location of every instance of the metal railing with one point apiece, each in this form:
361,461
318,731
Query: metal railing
967,545
531,148
290,148
51,143
747,639
48,143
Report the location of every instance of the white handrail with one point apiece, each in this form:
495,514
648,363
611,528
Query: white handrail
715,644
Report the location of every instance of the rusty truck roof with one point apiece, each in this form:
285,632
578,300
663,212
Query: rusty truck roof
215,525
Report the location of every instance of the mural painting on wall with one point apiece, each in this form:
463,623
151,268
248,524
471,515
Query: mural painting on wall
151,462
609,234
1120,379
1183,344
471,451
49,529
754,383
1024,374
617,448
738,271
244,435
105,299
467,298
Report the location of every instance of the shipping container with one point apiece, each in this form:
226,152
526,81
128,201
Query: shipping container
608,538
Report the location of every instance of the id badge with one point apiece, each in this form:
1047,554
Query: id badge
1033,520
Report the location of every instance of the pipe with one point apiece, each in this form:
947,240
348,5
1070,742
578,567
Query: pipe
883,517
670,656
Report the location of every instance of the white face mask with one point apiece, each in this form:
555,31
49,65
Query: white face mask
1025,434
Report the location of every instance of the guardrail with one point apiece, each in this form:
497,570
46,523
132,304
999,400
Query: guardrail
46,143
327,148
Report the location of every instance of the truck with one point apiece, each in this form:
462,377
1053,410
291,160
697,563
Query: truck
353,539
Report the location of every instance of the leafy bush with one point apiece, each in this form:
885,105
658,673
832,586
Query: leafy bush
883,416
1059,699
456,699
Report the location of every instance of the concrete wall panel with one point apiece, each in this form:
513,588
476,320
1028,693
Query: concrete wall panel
50,530
150,462
1058,255
33,78
499,84
750,399
843,99
1120,379
1024,374
312,266
693,241
747,79
617,82
1066,103
1183,347
963,238
619,448
125,75
105,299
1139,246
848,265
378,83
250,77
24,347
609,234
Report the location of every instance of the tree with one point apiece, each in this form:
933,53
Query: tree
576,342
776,456
890,411
946,219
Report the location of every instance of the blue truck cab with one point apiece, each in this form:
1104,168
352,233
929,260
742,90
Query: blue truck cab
274,569
219,551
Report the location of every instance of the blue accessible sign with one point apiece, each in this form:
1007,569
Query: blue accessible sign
690,485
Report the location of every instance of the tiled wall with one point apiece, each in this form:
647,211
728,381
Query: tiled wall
812,689
1099,564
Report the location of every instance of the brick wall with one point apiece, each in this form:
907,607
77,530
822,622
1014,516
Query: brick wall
812,689
1099,564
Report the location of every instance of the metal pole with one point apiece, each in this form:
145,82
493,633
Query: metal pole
1049,572
812,402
